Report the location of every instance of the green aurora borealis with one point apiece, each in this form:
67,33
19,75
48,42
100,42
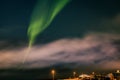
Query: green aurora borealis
43,14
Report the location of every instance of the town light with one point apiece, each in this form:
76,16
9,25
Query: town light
53,73
74,73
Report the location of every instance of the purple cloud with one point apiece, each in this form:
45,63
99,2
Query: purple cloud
97,50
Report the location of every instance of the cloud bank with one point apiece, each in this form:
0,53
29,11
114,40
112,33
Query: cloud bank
96,50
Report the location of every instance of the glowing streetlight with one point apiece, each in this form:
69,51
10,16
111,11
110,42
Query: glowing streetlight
118,71
53,74
74,73
93,73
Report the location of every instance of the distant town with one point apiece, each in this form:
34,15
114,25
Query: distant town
92,76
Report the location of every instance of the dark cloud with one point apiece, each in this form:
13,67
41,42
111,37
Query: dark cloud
75,20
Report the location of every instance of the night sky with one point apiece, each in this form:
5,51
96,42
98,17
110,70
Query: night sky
84,36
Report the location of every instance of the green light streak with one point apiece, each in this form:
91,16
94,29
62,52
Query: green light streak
43,14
